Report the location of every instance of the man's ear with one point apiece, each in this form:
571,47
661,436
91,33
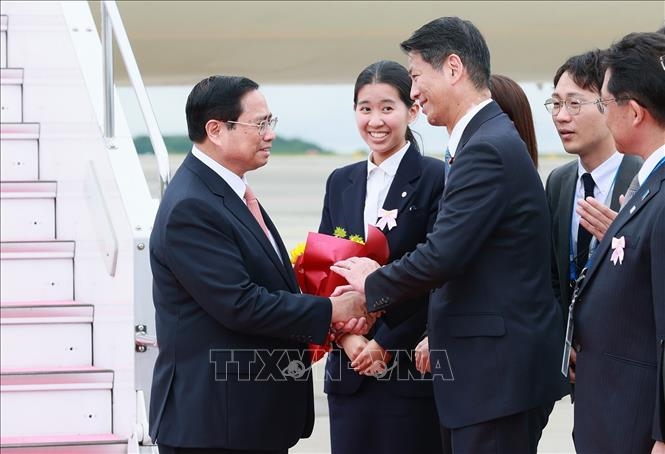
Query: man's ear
638,112
213,128
454,65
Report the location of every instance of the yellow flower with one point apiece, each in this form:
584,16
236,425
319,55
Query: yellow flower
297,252
339,232
357,239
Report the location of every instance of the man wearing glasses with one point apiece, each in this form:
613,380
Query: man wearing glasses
619,315
599,171
232,372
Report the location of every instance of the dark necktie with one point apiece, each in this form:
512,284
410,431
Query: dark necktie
583,235
447,162
632,189
255,209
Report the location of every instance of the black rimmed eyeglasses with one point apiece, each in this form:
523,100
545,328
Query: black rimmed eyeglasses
573,106
262,126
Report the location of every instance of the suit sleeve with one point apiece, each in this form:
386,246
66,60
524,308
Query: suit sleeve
552,200
473,206
658,283
204,255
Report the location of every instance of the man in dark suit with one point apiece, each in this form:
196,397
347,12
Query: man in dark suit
494,325
583,132
619,308
232,372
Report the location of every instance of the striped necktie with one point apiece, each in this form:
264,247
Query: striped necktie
632,189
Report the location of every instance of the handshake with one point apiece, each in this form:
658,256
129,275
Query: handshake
349,312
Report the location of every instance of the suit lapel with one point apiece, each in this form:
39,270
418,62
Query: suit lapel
488,112
565,218
353,197
647,191
239,210
403,186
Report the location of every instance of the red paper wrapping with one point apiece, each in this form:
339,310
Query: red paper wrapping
313,272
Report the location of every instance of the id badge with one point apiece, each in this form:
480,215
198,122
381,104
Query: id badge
568,345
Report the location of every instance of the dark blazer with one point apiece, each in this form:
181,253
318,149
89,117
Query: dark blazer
495,329
560,190
415,193
230,323
620,332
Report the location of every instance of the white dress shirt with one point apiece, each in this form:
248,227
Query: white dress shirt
458,129
238,185
650,163
604,177
379,179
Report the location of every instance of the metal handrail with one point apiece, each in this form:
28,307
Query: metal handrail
112,23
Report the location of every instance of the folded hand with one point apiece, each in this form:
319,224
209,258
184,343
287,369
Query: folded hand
372,360
422,356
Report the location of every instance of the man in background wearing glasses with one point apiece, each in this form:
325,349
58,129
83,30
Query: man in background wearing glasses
232,373
619,315
599,170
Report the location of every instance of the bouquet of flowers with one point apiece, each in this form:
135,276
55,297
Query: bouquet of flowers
312,264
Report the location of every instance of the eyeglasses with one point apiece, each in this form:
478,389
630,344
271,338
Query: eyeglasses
602,103
573,106
263,125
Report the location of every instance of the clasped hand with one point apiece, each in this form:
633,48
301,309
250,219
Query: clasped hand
349,314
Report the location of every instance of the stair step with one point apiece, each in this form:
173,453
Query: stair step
18,250
57,401
60,312
93,443
47,265
55,334
19,131
20,379
19,152
3,41
11,76
28,189
11,104
28,211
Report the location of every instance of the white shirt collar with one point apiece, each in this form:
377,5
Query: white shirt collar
650,164
458,129
603,176
390,165
237,184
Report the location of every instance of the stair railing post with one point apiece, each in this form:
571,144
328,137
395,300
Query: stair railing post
107,55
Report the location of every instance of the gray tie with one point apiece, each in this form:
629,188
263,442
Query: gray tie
632,189
447,161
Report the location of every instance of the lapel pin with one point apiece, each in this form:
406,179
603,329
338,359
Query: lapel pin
403,194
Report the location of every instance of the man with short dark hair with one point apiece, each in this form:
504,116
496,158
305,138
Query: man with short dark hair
619,309
599,172
232,372
494,326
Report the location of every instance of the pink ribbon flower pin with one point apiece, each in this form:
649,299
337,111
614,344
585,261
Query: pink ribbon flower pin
388,218
618,244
